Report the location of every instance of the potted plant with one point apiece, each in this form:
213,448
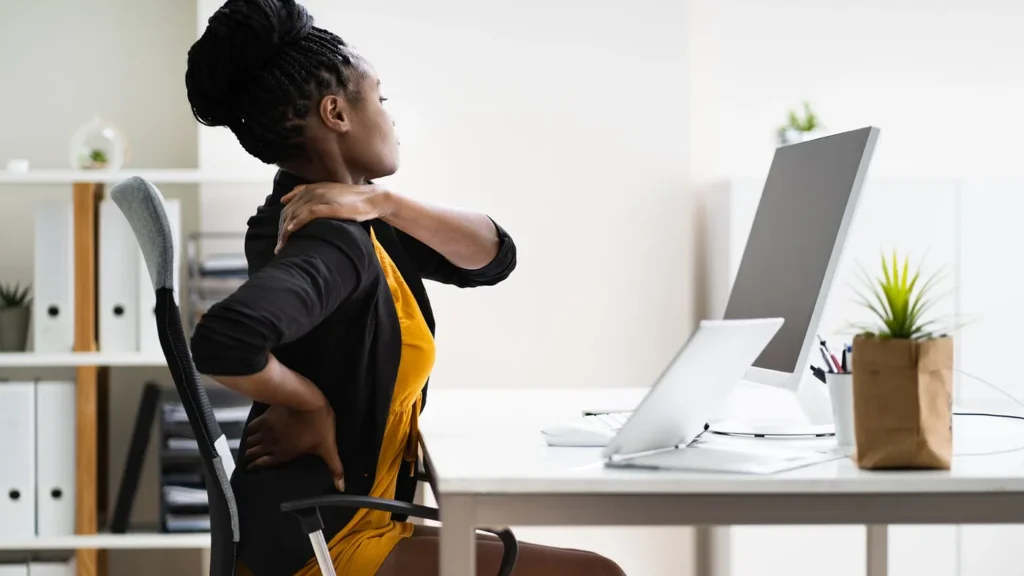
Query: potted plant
800,128
15,311
902,374
97,159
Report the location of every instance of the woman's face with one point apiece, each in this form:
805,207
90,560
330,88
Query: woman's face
370,146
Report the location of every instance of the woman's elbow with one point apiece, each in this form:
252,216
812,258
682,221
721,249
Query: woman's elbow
497,270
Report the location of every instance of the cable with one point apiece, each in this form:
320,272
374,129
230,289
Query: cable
991,415
1011,416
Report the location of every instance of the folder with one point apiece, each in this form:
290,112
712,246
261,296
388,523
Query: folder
143,429
55,458
14,569
53,312
51,568
17,455
149,339
118,281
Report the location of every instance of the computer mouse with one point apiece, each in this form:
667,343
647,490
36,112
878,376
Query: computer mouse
577,434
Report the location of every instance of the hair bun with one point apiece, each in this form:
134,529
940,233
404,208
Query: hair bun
240,38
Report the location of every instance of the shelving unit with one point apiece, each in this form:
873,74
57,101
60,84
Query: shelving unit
129,541
87,188
168,176
77,359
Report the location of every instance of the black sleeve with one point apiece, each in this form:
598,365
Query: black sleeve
433,266
320,265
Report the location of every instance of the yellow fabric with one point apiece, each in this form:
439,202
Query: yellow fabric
363,545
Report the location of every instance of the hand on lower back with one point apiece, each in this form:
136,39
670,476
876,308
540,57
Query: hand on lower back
282,434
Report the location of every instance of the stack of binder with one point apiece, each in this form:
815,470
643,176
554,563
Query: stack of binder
37,466
216,268
183,499
34,568
127,302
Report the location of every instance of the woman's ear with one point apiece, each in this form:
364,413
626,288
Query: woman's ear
334,113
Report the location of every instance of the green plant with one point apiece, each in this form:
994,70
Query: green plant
14,296
98,156
808,123
900,301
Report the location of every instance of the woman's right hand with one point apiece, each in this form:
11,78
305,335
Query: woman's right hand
281,434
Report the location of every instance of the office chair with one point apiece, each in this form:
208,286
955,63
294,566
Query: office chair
142,204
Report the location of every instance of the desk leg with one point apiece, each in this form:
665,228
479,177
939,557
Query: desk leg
712,551
458,536
878,549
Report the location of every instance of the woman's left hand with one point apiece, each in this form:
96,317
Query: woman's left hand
356,202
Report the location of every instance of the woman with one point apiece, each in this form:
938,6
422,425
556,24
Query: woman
332,334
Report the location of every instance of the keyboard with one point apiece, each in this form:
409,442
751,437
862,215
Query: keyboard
610,420
588,429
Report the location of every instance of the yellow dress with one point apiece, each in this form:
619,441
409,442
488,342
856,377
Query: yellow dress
365,542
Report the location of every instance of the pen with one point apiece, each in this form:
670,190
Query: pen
828,361
835,361
845,369
849,356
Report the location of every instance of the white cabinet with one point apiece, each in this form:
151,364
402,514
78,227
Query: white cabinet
992,311
991,307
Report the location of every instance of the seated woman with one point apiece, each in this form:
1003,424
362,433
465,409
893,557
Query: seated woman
332,334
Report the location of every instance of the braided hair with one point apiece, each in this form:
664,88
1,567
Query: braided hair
259,68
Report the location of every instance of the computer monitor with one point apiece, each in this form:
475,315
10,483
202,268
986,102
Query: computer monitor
794,247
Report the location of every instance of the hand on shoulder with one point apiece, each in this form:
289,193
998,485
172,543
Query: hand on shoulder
353,202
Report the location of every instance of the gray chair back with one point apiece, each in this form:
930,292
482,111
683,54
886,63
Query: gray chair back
142,204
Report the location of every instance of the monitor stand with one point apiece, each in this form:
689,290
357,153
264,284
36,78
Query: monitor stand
764,411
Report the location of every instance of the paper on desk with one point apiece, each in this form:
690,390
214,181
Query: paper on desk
784,447
185,496
191,444
176,413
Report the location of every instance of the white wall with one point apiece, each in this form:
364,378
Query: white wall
567,122
942,78
61,62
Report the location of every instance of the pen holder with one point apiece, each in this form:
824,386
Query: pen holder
840,391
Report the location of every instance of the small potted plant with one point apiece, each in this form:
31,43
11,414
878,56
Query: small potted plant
800,128
97,159
15,312
902,374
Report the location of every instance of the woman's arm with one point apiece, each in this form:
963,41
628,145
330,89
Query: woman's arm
304,283
276,384
467,239
447,245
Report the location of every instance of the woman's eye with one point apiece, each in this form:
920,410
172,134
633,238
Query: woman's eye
382,99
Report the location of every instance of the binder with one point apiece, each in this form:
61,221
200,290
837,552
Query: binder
143,429
118,281
149,339
53,313
14,570
55,458
51,568
17,453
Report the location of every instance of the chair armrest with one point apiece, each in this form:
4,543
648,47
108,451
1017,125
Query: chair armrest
369,502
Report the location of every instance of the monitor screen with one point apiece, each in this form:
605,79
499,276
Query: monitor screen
800,226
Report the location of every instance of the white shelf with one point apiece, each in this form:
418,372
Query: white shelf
137,541
73,359
169,176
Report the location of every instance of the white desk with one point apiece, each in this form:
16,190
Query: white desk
491,468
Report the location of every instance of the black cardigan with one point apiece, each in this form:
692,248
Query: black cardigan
323,307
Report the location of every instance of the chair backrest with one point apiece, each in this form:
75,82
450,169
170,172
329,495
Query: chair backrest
143,206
